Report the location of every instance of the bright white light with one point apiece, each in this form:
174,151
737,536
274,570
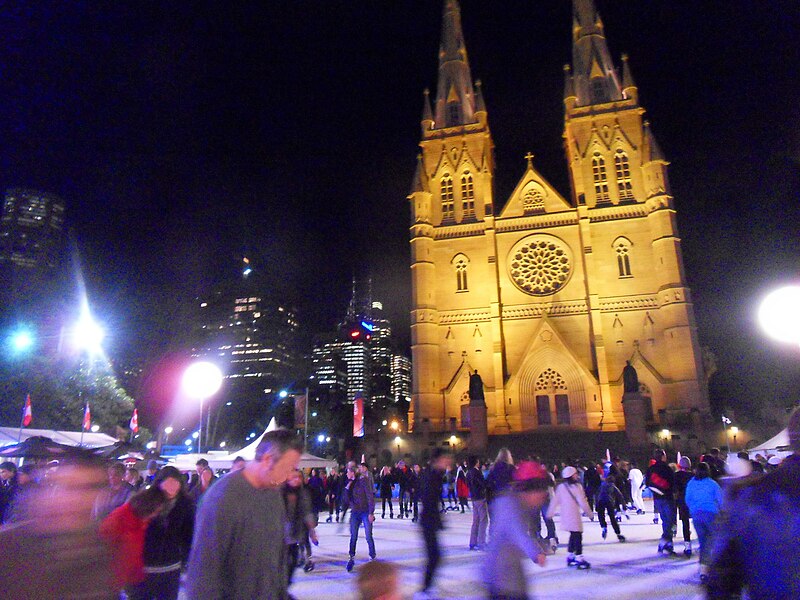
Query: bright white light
168,430
95,428
384,422
202,380
734,430
222,444
313,414
188,442
283,394
321,438
87,334
779,314
22,340
397,440
151,445
195,435
328,439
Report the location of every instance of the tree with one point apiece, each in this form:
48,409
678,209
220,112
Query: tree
59,389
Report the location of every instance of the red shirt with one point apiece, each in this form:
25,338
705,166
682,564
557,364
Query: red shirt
125,533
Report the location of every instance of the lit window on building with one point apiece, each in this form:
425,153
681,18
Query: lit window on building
448,199
623,168
600,178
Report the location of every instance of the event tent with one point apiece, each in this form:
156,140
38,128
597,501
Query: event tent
13,435
778,446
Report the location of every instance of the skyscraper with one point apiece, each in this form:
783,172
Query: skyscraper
548,295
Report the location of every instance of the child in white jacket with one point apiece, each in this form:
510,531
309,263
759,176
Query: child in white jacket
571,499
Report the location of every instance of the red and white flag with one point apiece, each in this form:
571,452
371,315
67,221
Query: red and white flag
27,412
134,426
87,418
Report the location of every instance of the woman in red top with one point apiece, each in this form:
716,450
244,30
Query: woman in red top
124,529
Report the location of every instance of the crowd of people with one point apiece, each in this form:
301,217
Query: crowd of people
244,534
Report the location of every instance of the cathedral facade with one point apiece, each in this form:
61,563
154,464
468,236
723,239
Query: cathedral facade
545,296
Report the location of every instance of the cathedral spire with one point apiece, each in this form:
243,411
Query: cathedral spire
455,100
595,79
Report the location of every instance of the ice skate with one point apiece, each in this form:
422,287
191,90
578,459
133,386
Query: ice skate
655,520
604,532
309,566
581,563
350,564
620,537
665,547
687,549
571,560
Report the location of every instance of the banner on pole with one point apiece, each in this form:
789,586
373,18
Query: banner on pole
87,418
300,407
358,416
134,424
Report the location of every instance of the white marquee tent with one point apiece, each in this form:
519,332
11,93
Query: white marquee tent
778,446
12,435
224,460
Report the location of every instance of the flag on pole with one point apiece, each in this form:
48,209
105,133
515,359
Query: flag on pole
608,455
87,418
726,420
27,412
134,425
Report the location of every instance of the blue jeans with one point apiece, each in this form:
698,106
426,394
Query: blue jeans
703,525
666,510
356,519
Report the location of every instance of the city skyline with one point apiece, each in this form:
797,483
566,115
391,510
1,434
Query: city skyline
182,139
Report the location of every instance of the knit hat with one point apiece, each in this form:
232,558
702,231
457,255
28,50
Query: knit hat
568,472
685,462
794,431
774,461
152,464
530,475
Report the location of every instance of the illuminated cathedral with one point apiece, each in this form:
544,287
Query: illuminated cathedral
548,295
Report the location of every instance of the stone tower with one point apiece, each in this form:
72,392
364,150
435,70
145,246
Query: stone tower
547,296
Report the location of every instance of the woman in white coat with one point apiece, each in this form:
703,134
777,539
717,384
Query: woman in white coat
636,478
570,501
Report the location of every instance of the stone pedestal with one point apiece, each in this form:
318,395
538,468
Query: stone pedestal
633,407
478,427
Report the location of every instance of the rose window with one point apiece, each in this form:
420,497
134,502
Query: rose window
540,265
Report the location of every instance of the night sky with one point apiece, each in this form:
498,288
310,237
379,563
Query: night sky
184,135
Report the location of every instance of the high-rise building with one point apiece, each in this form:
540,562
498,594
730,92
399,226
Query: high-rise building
253,337
548,295
31,246
401,380
380,347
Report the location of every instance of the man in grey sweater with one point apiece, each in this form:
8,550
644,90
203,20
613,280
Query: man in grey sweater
238,550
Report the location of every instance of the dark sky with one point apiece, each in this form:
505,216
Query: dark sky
185,134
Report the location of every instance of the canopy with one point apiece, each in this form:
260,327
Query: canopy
221,460
42,447
778,445
13,435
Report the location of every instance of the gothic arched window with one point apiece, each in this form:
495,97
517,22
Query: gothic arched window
599,90
600,178
622,246
533,200
623,175
453,114
467,195
460,263
448,203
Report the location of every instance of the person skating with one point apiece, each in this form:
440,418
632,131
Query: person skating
503,571
608,498
480,512
570,498
682,478
703,498
386,481
661,481
361,498
300,523
431,518
332,486
636,479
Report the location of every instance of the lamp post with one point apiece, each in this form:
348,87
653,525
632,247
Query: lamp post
397,441
734,431
665,435
201,380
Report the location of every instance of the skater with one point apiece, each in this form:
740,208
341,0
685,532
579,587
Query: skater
608,498
636,480
462,489
500,474
480,512
431,518
682,478
414,483
571,499
703,500
661,481
361,497
386,481
300,524
332,486
503,570
754,547
402,476
591,482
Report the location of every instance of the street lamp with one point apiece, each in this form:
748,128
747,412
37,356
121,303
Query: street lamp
395,426
397,441
779,314
734,431
201,380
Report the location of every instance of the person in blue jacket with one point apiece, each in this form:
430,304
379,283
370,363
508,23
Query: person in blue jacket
704,499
